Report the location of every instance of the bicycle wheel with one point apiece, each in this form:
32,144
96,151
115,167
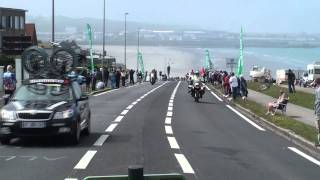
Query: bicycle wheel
35,60
63,61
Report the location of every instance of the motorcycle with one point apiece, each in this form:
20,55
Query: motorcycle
197,91
152,79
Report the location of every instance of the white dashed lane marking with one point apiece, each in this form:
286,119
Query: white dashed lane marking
111,127
173,143
216,96
129,107
170,104
169,114
168,120
124,112
185,165
118,119
85,160
101,140
168,130
170,108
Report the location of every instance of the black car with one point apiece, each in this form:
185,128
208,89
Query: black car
46,107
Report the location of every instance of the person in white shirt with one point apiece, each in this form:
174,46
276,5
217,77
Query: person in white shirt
234,85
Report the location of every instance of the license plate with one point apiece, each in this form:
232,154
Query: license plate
33,125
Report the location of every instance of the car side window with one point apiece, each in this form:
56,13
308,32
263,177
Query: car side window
77,90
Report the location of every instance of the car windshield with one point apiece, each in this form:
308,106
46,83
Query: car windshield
43,92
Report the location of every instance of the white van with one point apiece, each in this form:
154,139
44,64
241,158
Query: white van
313,71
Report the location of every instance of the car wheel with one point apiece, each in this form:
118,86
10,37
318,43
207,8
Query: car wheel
86,131
5,140
75,134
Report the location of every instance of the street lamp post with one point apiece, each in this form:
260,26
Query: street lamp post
125,40
138,49
103,38
52,21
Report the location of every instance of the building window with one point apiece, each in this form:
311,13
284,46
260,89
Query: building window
16,22
12,22
3,22
21,22
8,23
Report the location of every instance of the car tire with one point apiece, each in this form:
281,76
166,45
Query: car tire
87,130
5,140
75,134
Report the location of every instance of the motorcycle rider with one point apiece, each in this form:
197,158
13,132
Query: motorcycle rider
197,79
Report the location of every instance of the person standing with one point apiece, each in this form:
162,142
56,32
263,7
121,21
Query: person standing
88,81
234,85
131,73
317,109
106,77
118,77
243,88
123,78
291,81
168,70
9,82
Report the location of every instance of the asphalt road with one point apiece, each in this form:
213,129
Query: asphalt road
161,128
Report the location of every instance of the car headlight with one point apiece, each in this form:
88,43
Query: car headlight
63,114
8,115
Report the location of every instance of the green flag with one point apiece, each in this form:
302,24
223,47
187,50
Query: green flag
140,60
208,62
89,31
240,61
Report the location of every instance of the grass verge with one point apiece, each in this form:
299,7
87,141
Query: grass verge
306,131
299,98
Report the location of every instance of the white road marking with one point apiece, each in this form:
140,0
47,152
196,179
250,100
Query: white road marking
129,107
169,114
168,120
168,129
171,101
185,165
138,100
105,92
118,119
170,104
101,140
170,108
85,160
245,118
208,88
305,155
111,127
124,112
173,143
134,103
70,179
216,96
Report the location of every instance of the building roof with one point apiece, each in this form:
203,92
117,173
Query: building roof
12,9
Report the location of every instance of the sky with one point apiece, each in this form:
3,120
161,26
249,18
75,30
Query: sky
262,16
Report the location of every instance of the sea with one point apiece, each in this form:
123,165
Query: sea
185,59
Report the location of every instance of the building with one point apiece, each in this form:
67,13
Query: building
13,35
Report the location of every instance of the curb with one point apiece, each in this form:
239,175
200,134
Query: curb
285,133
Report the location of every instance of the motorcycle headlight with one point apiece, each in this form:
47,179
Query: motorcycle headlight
63,114
8,115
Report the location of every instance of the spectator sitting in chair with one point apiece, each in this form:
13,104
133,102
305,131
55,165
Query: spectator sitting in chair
273,106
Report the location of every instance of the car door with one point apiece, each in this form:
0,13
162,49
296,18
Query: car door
82,105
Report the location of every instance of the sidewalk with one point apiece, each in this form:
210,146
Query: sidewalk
294,111
302,89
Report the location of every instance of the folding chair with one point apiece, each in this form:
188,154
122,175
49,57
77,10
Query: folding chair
282,107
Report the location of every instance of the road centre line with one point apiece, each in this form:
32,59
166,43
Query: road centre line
118,119
134,103
171,101
168,120
111,127
138,100
216,96
169,114
70,179
170,108
245,118
170,104
124,112
101,140
173,143
304,155
85,160
168,129
129,107
185,165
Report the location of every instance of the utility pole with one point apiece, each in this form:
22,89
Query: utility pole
138,50
103,38
125,41
52,39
